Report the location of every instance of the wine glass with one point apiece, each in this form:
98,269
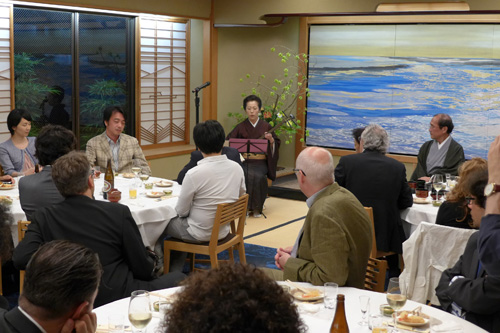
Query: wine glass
395,298
136,169
139,309
438,184
364,304
428,186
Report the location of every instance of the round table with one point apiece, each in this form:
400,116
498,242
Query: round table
317,318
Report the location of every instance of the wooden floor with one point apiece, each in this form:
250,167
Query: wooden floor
282,225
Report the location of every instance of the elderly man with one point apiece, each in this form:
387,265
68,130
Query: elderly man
38,190
123,150
379,182
336,239
60,286
442,154
107,228
215,180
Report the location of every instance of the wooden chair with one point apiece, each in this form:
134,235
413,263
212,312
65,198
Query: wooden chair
226,214
22,227
375,275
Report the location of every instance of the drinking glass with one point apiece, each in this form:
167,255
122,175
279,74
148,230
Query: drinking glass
330,292
395,298
438,184
136,168
428,186
139,309
364,305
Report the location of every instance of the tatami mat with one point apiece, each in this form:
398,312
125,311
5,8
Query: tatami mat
282,225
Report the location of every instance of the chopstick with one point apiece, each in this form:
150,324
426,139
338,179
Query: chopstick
296,286
160,295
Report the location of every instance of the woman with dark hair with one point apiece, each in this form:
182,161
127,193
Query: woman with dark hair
257,166
17,155
232,298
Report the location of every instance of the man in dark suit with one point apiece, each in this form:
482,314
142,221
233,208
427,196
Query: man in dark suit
379,182
60,286
196,156
107,228
38,190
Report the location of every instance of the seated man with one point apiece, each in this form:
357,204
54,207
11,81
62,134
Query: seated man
215,180
379,182
123,150
196,156
336,239
442,154
38,190
257,303
105,227
465,289
60,286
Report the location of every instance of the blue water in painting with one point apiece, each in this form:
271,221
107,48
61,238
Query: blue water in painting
402,95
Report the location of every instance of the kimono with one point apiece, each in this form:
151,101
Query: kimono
257,170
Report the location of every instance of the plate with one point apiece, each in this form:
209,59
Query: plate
128,175
153,194
421,201
408,323
297,294
6,187
164,183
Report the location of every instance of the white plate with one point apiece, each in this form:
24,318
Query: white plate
164,183
426,321
128,175
9,187
421,201
153,194
297,294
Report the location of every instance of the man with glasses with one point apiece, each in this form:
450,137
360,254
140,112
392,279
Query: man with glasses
336,239
105,227
442,154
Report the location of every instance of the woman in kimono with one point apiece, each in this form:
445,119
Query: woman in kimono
257,166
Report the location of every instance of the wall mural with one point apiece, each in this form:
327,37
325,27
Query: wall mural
398,76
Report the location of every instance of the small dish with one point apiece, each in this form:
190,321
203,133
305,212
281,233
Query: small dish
164,183
128,175
167,192
412,320
153,194
6,187
421,201
313,295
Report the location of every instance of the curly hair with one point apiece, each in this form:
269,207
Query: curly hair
232,298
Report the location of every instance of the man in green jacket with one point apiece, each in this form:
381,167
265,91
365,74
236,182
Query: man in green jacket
335,241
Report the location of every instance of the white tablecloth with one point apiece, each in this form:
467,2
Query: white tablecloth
318,321
417,214
151,215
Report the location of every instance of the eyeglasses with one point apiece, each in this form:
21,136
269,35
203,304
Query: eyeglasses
299,170
92,172
470,200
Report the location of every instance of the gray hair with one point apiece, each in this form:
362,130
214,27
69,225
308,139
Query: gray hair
317,164
375,138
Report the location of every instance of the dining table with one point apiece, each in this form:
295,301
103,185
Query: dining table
151,213
315,316
420,212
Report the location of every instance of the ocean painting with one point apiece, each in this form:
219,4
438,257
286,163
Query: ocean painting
402,93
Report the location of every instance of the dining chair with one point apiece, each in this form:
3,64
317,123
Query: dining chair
227,213
375,275
22,227
369,211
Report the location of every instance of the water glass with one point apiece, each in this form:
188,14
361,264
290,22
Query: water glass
364,306
330,291
132,191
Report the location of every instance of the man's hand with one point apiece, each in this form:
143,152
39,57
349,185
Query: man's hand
7,178
280,252
283,259
427,179
494,162
85,324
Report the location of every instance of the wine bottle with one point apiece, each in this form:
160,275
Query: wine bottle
2,173
339,324
109,180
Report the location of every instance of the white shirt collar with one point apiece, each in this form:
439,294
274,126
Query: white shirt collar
313,197
255,122
31,319
442,143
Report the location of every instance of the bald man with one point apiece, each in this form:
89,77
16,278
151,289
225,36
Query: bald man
336,239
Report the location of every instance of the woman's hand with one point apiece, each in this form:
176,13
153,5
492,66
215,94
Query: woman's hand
7,178
269,136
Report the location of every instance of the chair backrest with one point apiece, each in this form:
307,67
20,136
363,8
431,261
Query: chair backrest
22,227
375,275
369,211
228,213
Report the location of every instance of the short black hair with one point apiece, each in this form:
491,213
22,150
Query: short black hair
445,120
209,136
475,186
108,112
14,118
251,98
356,134
52,142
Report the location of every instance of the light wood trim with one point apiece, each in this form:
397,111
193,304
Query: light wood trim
162,152
413,18
138,79
422,7
11,45
301,115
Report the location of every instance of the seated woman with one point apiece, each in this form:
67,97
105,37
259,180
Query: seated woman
17,155
454,212
257,167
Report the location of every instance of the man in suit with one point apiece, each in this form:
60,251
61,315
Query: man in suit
38,190
379,182
123,150
442,154
105,227
336,239
197,156
466,290
60,286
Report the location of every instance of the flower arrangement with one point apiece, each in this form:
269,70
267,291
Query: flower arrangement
279,96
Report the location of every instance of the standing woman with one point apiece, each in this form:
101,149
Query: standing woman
257,167
17,155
